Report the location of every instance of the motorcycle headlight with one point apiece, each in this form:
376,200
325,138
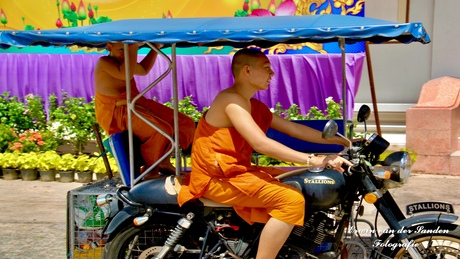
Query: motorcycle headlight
400,165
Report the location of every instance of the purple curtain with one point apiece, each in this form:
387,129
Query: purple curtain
305,80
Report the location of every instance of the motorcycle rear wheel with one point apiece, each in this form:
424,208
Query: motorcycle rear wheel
443,245
140,242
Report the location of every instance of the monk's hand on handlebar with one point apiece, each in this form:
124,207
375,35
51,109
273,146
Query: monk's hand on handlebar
337,162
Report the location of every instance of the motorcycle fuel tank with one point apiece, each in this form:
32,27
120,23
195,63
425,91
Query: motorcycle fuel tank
322,190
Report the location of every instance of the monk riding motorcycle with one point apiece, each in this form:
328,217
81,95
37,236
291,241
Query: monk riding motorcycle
146,221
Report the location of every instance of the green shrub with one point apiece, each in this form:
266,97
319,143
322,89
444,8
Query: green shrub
7,136
72,119
14,114
187,107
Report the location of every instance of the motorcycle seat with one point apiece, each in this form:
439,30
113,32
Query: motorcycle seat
173,184
210,203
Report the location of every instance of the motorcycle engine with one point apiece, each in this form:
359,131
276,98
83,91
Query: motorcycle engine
314,237
236,233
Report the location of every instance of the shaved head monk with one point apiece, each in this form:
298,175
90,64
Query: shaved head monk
111,109
235,126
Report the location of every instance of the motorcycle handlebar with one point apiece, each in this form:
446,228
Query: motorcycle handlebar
344,167
290,173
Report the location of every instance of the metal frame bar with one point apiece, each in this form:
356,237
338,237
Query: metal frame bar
132,109
344,84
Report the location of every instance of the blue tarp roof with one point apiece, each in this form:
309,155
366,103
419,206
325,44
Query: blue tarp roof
231,31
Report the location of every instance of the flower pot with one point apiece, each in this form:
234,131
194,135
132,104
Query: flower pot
85,177
10,174
100,176
66,176
29,174
47,175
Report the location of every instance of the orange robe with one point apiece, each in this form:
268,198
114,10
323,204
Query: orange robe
222,171
112,116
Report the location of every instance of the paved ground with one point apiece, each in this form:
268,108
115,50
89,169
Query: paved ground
33,217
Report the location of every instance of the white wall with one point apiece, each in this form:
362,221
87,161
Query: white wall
400,70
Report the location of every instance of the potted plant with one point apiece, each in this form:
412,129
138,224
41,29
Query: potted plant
100,170
10,163
65,168
28,166
84,165
47,163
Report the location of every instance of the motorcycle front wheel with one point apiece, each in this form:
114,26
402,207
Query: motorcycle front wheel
436,244
140,242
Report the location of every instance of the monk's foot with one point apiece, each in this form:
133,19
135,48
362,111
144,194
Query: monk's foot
166,168
152,175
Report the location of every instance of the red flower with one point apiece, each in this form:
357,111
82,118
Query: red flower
81,13
59,23
73,7
65,6
288,7
3,17
16,146
260,12
91,13
246,5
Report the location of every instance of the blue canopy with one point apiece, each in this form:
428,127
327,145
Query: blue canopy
230,31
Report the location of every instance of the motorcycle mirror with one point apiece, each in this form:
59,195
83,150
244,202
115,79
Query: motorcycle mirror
330,129
363,113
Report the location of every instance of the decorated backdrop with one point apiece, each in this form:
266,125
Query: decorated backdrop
306,74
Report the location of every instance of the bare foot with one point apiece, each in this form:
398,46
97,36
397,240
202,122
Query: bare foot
166,168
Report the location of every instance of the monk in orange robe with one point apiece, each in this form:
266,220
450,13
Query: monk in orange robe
111,109
225,138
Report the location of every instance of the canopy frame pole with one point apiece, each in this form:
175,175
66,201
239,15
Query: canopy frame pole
344,85
176,108
128,103
372,88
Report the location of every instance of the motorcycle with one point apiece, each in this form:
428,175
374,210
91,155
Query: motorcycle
146,222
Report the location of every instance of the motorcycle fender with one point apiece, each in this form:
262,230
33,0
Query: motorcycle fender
424,219
122,218
428,218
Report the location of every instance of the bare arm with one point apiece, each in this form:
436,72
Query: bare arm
237,110
146,64
303,132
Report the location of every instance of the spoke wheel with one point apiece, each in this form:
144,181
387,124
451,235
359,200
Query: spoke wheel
140,242
441,247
